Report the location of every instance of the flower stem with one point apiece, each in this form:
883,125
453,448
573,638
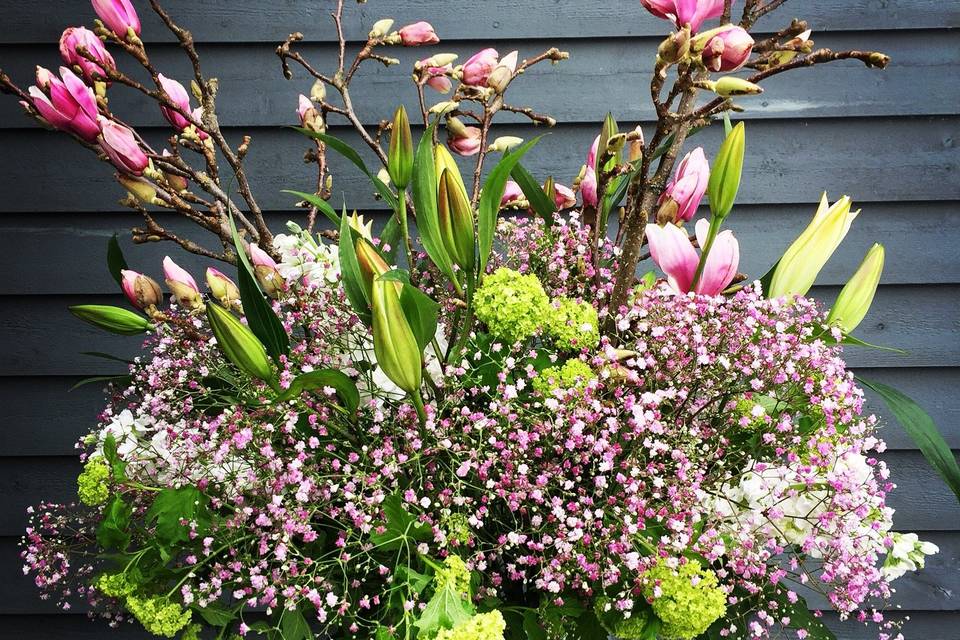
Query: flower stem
705,250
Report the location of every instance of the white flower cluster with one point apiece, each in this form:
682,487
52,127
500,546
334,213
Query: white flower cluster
307,259
907,554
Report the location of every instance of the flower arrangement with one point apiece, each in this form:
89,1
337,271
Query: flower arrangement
478,423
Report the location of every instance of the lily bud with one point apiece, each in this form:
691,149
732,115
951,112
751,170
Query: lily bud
223,289
418,33
75,39
142,291
855,298
372,266
443,161
182,285
121,146
381,28
477,68
728,50
113,319
310,118
730,86
679,201
505,143
400,154
361,226
239,344
179,96
725,176
394,343
67,104
142,190
456,222
675,47
801,263
461,139
119,16
502,74
266,271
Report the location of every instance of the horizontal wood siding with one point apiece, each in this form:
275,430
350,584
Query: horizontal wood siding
886,138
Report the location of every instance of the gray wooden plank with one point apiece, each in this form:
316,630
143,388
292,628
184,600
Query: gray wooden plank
918,626
45,340
873,159
252,21
41,418
906,230
602,76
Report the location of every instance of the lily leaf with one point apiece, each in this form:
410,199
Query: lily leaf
321,204
345,387
539,200
115,260
350,154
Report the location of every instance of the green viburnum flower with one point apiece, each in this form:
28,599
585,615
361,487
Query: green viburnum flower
574,374
455,573
513,306
687,600
158,615
573,325
632,628
458,528
92,483
192,632
115,585
483,626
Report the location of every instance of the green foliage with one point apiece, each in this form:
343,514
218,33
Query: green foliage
294,626
347,152
350,271
312,380
114,529
400,526
542,204
445,610
115,260
322,205
171,506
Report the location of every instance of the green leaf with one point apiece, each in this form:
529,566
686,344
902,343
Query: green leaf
345,387
391,236
589,627
173,505
532,627
767,278
400,525
322,205
215,616
383,633
857,342
294,626
540,201
445,610
113,532
727,125
113,319
490,199
424,188
117,466
350,271
261,318
420,310
922,430
125,379
416,580
348,152
115,260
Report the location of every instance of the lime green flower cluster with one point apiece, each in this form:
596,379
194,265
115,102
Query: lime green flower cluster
192,632
512,305
632,628
158,615
454,573
458,528
115,585
574,374
573,325
483,626
93,483
688,601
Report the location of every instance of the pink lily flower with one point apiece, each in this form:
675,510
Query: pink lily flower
671,250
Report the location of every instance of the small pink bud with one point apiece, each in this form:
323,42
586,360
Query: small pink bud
222,288
418,33
179,96
728,50
142,291
512,193
118,15
502,74
477,69
182,285
67,104
436,77
310,118
266,271
76,38
121,146
679,201
466,143
563,196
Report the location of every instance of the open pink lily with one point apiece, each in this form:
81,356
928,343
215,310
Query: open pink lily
671,250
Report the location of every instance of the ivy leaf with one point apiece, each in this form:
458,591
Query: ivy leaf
445,610
173,505
113,532
400,525
115,260
294,626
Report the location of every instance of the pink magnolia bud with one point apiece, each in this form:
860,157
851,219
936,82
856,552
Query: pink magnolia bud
310,118
592,153
142,291
502,74
118,15
121,146
76,38
67,104
684,12
588,187
728,50
437,78
222,288
418,33
679,201
266,271
563,196
477,69
182,285
466,142
179,96
512,193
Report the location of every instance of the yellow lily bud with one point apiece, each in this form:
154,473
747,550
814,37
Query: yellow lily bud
371,264
443,161
400,154
857,295
456,221
803,260
394,344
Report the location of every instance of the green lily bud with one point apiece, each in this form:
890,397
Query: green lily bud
238,343
801,263
443,161
394,343
371,264
112,319
857,295
726,171
730,86
608,147
456,221
400,156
